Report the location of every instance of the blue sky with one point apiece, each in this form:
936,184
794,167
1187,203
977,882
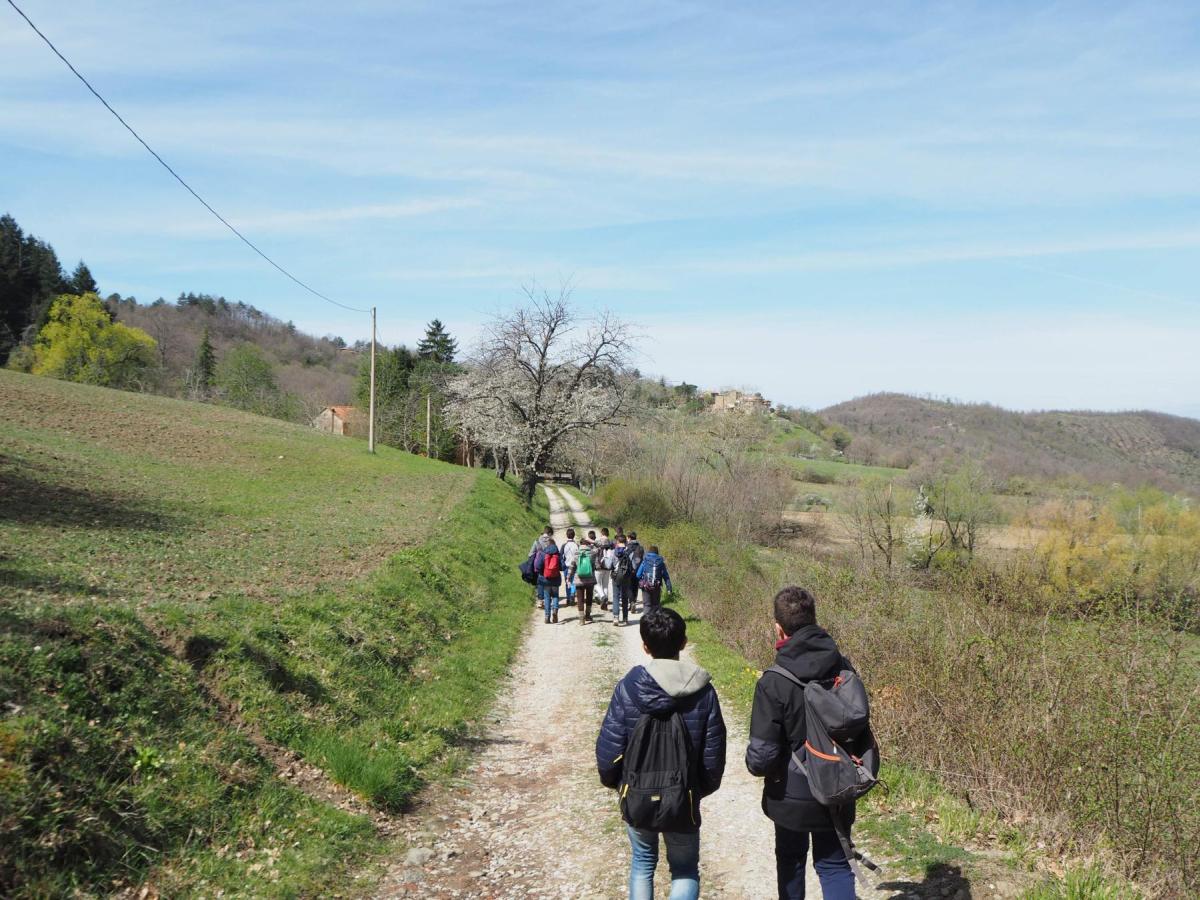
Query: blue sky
991,201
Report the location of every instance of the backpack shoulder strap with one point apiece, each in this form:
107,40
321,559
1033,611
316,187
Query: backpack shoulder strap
780,670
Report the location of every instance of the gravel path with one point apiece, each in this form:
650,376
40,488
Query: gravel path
736,839
530,819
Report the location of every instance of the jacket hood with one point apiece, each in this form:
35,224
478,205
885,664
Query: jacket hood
656,687
810,654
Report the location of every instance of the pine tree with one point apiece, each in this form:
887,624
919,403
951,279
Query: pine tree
437,344
82,281
206,364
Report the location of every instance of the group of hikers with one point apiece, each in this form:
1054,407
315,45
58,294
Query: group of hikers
662,742
609,569
662,747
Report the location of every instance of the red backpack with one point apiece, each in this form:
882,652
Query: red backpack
551,567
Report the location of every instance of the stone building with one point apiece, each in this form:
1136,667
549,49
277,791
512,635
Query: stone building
739,401
344,420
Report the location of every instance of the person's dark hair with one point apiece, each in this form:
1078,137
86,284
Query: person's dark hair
794,608
592,535
633,535
663,632
653,548
549,529
570,533
604,531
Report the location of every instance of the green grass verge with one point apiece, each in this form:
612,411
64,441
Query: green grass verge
176,577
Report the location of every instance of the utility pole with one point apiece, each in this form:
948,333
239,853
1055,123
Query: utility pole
371,412
428,417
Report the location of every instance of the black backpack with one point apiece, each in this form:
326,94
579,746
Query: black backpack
622,569
840,757
636,554
659,776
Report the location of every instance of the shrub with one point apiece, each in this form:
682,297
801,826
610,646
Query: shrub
622,500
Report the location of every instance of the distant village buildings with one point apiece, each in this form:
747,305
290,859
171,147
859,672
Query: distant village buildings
343,420
739,401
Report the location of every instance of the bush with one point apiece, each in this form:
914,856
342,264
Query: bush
622,500
810,475
1082,728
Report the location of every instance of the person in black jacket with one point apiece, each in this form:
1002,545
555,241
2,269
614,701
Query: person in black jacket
665,684
777,728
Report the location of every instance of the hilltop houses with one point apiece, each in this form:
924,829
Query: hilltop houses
739,401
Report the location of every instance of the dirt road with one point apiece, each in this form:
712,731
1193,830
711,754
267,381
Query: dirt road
530,818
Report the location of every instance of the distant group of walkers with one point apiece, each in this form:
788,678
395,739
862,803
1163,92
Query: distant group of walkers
610,570
662,747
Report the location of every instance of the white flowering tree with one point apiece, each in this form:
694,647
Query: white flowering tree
540,378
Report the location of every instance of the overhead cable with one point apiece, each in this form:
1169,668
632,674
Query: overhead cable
245,240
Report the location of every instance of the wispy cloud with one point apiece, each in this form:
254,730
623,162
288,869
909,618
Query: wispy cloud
305,219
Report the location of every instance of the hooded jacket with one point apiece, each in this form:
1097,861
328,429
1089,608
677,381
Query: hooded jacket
660,687
649,561
777,727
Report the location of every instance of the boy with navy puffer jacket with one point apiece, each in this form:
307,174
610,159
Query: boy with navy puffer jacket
664,685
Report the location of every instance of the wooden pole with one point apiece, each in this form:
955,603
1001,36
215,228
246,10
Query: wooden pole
371,411
428,418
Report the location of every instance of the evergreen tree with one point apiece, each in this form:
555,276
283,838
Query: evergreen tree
437,344
206,364
82,281
30,278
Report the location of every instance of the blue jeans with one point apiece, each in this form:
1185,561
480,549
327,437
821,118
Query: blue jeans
834,873
683,858
620,609
548,593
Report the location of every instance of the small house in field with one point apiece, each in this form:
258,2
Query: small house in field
342,420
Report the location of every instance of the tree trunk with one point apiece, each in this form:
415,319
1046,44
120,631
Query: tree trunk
529,484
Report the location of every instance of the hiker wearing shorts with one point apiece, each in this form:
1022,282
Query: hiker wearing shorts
777,729
652,574
666,685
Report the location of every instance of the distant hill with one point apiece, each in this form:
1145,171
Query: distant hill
1130,447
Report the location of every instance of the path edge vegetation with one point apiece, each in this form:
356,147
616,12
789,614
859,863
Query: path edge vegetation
132,737
918,824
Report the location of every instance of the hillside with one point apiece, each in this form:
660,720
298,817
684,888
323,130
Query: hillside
1130,447
192,596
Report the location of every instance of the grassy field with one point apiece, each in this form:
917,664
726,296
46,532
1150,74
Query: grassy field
831,470
189,592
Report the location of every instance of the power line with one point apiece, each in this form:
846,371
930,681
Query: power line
245,240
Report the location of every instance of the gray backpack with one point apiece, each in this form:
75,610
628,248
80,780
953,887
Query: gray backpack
840,757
